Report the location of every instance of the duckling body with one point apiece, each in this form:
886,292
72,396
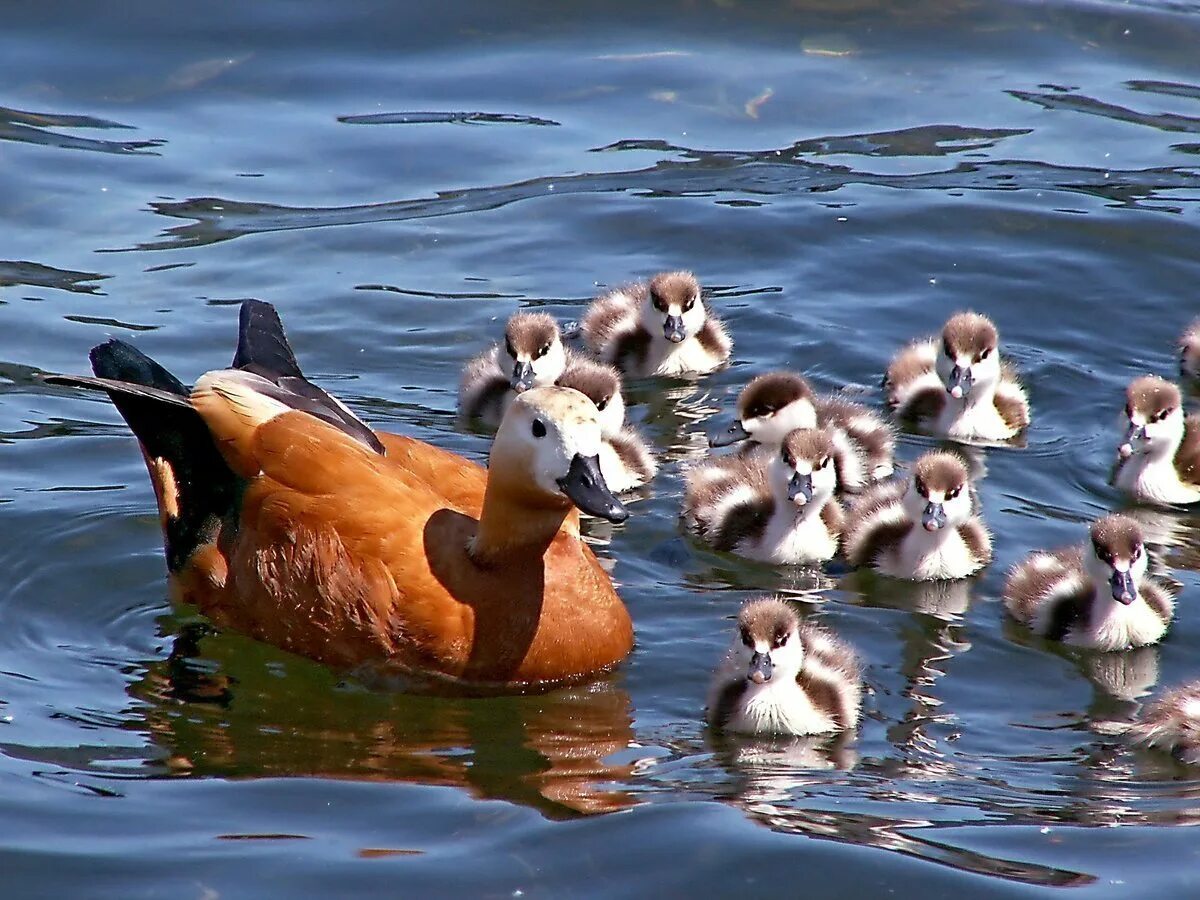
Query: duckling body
1158,460
1098,596
660,327
776,403
625,458
779,509
957,386
1189,351
531,355
924,529
1172,723
781,676
290,529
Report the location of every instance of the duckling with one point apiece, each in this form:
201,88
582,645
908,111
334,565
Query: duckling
924,529
1172,723
533,354
959,389
1159,457
625,457
287,526
782,676
774,404
660,327
1189,351
1098,597
780,510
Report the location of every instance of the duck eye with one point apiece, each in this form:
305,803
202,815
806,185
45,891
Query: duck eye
746,639
539,428
542,351
950,495
920,485
983,354
1162,414
657,302
600,404
823,463
512,351
1128,411
781,639
1136,554
947,349
687,306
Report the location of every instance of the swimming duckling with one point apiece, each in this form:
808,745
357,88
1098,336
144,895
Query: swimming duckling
532,354
959,388
782,676
625,457
780,510
1098,596
660,327
1172,723
1159,458
1189,351
923,529
774,404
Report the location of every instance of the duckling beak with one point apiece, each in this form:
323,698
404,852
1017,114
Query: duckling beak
1123,588
800,489
934,517
585,486
731,434
673,329
1133,435
760,667
522,377
960,382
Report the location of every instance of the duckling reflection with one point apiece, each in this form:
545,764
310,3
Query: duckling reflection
214,711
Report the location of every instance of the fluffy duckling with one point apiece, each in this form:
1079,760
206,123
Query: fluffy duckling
1159,457
1097,596
532,354
625,457
1172,723
774,404
1189,351
923,529
288,526
958,387
780,510
782,676
660,327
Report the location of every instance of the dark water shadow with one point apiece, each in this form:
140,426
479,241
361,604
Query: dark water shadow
444,118
14,272
35,128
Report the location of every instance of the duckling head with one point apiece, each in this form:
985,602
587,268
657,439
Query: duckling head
673,306
536,355
768,644
602,385
939,495
768,408
804,471
1154,410
547,453
1117,557
968,361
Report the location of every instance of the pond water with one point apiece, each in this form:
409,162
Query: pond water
398,179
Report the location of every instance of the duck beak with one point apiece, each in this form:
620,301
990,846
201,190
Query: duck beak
960,382
585,486
800,489
760,667
673,329
934,517
731,434
1123,588
522,377
1134,434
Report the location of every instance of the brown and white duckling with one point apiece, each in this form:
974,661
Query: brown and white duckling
659,327
774,404
922,529
1189,350
784,676
1159,457
1172,723
532,355
958,387
625,458
779,510
1097,596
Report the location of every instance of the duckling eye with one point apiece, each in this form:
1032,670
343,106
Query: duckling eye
600,404
950,495
746,639
1102,554
542,351
1136,554
687,307
657,301
1128,411
823,463
512,351
1162,414
947,349
983,354
781,639
539,428
920,485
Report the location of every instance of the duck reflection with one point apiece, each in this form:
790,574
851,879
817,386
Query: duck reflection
215,709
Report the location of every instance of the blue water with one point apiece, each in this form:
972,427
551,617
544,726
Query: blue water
397,180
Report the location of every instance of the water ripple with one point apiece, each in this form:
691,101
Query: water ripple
14,272
34,128
444,118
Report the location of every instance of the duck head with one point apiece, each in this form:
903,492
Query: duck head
968,361
673,307
602,385
804,472
1154,415
536,355
768,644
1118,557
768,408
939,495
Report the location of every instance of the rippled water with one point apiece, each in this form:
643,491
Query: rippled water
842,175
